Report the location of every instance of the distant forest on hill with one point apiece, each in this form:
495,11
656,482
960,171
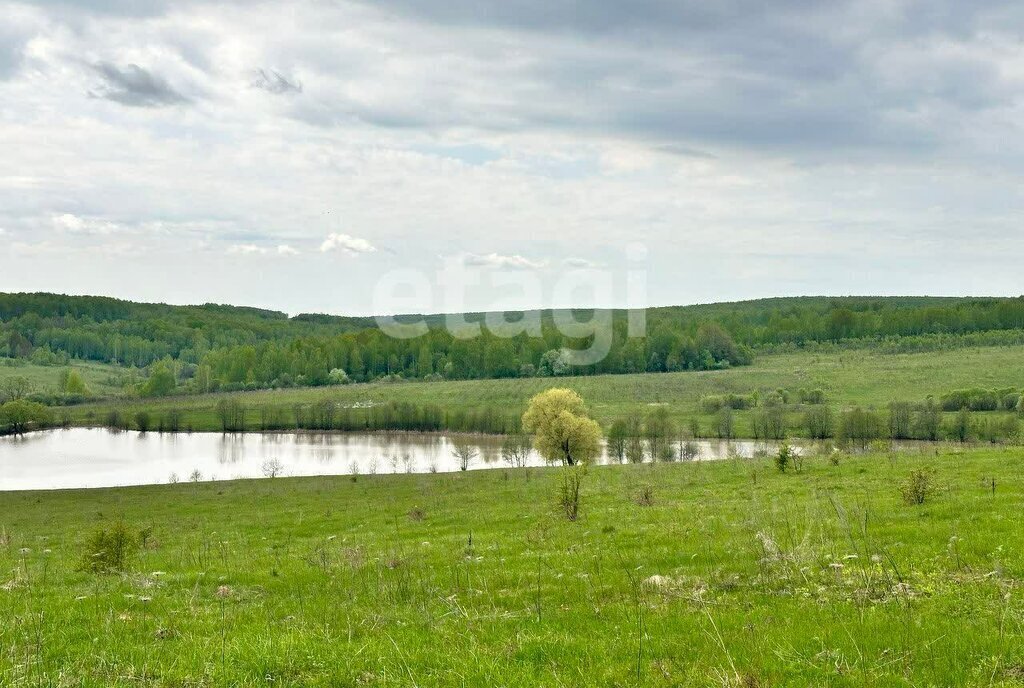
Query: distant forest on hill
216,347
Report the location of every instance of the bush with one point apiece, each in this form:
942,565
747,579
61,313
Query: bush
143,421
787,456
108,551
738,402
973,399
814,396
918,487
688,450
645,496
21,415
569,492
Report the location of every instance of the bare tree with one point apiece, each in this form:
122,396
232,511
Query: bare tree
515,450
465,453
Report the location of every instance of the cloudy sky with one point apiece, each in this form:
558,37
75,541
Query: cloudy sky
294,155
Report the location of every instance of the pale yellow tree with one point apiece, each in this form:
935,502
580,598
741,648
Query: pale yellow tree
561,429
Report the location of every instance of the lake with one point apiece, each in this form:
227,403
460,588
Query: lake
87,457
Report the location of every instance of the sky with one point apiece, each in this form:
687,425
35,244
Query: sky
396,156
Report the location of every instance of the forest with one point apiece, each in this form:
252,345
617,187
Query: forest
205,348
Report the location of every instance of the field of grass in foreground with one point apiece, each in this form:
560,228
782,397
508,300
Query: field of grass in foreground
823,577
853,377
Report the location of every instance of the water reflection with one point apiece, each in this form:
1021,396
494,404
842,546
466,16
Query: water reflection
95,458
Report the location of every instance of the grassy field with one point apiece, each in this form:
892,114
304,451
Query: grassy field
733,575
848,378
102,379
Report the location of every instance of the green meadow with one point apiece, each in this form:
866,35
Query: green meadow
856,377
690,574
102,379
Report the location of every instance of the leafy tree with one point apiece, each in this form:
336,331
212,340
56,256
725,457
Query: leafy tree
161,381
928,421
860,426
337,376
960,430
635,438
658,428
900,420
554,363
70,383
724,423
618,436
818,422
14,388
770,422
561,428
21,415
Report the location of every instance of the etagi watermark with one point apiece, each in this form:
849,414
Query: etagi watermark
406,290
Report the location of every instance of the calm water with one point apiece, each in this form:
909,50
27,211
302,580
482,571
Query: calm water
99,458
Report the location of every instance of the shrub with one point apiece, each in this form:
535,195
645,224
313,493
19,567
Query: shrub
973,399
784,457
569,492
645,496
143,421
666,453
108,550
714,404
21,415
918,487
814,396
688,450
114,420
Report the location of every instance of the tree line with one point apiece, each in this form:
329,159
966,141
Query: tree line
213,347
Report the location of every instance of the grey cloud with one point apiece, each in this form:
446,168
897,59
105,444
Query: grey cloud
134,86
274,82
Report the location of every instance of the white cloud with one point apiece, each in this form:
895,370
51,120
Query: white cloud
66,222
286,250
496,260
349,244
246,249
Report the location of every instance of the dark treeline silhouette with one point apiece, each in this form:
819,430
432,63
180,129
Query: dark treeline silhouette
212,347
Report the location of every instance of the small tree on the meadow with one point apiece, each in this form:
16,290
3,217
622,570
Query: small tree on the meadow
561,430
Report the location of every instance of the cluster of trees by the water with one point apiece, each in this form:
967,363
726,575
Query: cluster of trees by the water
959,415
211,347
233,415
656,435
